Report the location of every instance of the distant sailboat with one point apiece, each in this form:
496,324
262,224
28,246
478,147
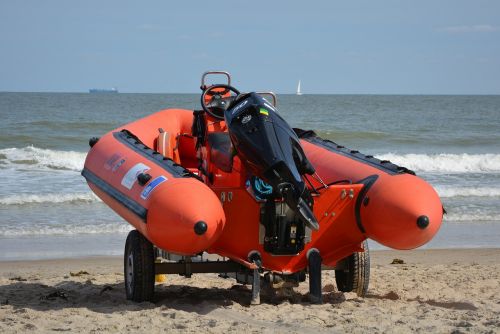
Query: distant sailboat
298,89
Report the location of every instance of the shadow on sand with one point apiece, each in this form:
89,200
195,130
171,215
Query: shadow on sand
453,305
110,298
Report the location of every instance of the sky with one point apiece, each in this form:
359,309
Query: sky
333,47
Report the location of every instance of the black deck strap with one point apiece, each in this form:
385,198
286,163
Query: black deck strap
129,139
114,193
199,127
331,146
368,183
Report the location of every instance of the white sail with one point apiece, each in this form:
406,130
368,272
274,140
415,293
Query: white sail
298,89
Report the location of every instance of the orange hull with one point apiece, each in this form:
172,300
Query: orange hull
161,209
393,199
177,212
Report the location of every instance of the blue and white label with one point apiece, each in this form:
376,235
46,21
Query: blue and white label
152,185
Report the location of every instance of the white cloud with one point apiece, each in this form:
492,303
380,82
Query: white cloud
470,28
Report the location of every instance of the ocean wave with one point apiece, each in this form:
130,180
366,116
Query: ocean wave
34,157
445,192
68,125
446,163
23,199
340,136
31,156
473,217
105,228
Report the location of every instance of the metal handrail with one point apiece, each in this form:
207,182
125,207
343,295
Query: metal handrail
273,95
216,72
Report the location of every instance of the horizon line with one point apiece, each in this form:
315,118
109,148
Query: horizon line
291,93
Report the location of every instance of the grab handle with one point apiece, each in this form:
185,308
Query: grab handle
203,86
271,94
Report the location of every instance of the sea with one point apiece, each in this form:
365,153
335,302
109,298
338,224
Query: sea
48,211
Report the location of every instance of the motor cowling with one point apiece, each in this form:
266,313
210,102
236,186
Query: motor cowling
271,150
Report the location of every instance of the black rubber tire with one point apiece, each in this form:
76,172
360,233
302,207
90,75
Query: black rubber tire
355,275
139,268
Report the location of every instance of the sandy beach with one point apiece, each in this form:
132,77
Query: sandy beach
443,291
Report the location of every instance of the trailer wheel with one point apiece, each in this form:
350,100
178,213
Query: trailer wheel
354,274
139,270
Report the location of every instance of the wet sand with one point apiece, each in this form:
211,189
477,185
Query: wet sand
444,291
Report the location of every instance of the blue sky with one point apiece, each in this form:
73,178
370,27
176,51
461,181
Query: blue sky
376,47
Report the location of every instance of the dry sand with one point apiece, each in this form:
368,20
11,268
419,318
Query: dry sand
438,291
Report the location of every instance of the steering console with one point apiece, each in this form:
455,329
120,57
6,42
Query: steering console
217,98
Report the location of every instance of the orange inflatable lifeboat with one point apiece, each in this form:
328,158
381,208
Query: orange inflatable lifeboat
235,180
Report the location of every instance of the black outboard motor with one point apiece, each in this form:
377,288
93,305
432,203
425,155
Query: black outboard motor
271,151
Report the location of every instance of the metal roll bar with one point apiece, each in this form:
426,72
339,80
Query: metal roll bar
215,72
271,94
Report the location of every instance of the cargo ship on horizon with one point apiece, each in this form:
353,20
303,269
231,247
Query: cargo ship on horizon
100,91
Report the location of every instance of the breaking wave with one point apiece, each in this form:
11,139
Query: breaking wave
473,217
467,192
34,157
104,228
23,199
447,163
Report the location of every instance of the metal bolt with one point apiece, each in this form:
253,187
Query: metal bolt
343,194
351,193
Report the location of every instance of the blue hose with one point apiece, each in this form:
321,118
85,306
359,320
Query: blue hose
261,189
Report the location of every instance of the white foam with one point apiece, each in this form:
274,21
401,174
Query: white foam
443,163
474,217
23,199
31,156
47,230
447,163
467,192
